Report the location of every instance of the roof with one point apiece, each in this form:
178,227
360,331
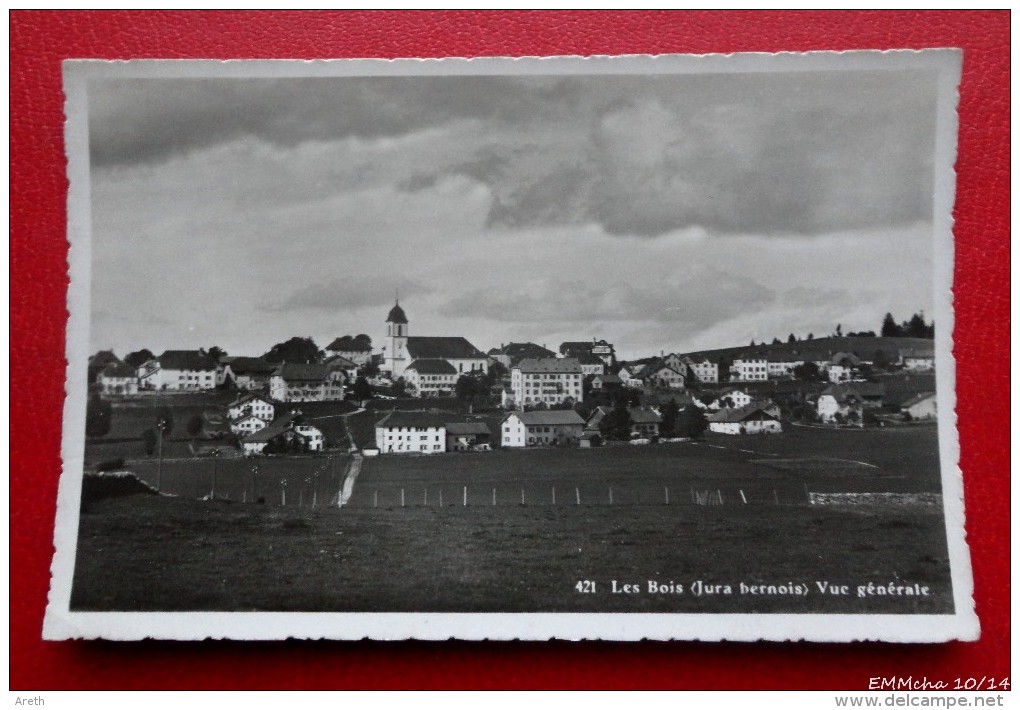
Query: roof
441,348
118,369
739,414
609,379
589,359
643,415
917,398
579,346
861,390
432,367
463,428
340,361
568,365
301,371
250,397
552,417
653,367
522,350
277,427
186,360
251,366
413,420
396,315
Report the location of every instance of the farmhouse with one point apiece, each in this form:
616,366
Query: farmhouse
606,383
548,381
430,378
918,358
118,378
542,428
644,422
411,432
659,374
841,405
921,406
404,349
287,434
749,419
467,436
300,382
178,370
730,398
248,373
247,424
251,404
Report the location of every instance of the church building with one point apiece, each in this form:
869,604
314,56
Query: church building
403,350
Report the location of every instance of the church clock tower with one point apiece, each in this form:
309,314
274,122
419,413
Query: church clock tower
396,333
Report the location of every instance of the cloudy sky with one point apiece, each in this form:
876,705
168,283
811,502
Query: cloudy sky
668,212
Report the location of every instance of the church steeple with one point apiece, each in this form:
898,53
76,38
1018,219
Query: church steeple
396,332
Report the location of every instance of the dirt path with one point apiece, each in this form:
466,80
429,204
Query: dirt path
347,490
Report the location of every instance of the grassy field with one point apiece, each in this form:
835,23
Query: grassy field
376,555
172,554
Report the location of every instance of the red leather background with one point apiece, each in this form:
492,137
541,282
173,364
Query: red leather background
40,40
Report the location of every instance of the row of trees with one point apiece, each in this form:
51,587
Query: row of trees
689,421
913,327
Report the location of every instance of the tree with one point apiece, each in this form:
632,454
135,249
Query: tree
777,341
295,350
691,422
195,424
916,327
370,368
615,426
216,352
839,330
362,390
808,372
400,387
670,415
792,338
810,336
881,359
362,341
138,358
889,327
98,417
467,387
752,342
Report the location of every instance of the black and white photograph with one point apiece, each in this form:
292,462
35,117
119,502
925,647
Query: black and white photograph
577,348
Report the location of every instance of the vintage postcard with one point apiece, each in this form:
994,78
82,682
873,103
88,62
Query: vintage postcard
577,348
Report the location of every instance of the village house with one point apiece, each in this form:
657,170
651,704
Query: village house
430,378
561,427
403,349
730,398
921,406
357,350
644,423
606,383
468,436
749,419
919,358
782,368
840,404
548,381
301,382
750,369
628,374
411,432
118,378
251,404
594,423
178,370
247,424
248,373
703,369
591,365
288,433
657,374
510,354
348,367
